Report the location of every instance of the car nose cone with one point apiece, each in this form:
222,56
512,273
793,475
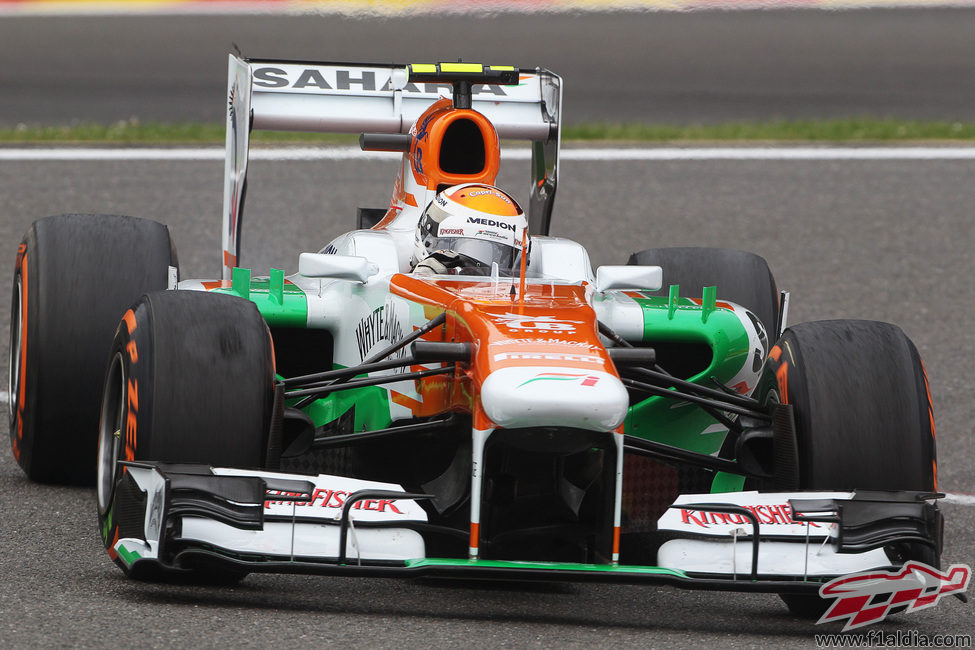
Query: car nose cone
551,396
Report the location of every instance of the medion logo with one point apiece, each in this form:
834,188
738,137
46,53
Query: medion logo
362,79
491,223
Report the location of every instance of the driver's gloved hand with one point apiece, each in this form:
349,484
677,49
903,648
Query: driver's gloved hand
438,263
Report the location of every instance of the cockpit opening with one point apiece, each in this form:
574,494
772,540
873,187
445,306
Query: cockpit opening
462,148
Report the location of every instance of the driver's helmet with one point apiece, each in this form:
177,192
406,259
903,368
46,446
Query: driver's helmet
467,228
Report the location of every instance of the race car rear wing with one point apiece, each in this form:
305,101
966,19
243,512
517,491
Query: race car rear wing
356,98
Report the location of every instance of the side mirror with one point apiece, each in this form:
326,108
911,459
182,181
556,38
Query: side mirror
340,267
649,278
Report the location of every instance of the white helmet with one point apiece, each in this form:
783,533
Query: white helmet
467,228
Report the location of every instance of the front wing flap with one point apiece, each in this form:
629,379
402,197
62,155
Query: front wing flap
260,517
811,535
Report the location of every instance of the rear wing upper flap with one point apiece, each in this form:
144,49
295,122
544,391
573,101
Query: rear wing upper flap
356,98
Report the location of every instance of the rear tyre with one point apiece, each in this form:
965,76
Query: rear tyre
740,277
190,380
863,416
75,274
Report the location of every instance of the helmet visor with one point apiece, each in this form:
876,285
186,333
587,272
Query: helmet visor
481,251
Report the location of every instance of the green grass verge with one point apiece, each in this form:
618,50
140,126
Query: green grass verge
852,130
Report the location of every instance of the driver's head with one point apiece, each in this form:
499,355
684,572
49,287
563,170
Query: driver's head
476,225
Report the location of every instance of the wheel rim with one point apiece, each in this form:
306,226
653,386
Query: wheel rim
15,350
110,425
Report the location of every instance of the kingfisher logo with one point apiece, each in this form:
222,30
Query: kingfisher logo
772,514
583,379
868,597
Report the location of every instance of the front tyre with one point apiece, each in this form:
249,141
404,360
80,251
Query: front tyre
863,416
862,409
190,380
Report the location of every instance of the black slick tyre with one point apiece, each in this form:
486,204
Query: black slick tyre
740,277
190,380
863,416
74,276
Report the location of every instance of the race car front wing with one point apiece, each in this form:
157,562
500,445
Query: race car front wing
180,517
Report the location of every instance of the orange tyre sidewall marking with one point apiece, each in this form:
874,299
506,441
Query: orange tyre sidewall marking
129,318
112,553
781,373
131,413
22,361
934,437
782,377
131,390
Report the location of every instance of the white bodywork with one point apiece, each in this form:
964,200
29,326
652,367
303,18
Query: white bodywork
723,543
312,532
525,396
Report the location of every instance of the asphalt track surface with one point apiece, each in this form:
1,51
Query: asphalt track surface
851,239
701,67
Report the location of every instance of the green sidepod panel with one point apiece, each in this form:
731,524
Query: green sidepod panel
282,304
369,408
683,320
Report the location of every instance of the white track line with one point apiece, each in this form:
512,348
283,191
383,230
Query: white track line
960,499
773,153
70,154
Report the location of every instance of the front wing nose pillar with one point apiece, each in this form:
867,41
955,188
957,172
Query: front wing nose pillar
479,439
618,496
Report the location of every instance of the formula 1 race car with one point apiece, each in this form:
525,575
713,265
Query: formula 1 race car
653,422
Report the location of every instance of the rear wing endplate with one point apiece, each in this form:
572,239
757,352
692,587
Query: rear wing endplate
357,98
